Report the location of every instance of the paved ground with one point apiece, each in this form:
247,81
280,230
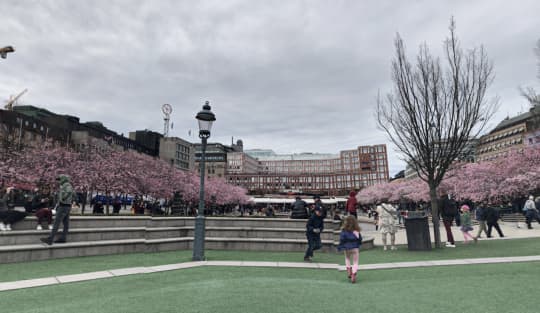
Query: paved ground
509,230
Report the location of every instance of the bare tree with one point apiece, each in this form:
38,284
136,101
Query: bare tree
433,111
529,93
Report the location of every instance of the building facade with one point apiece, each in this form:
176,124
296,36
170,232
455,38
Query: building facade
149,139
511,133
29,125
323,174
216,157
177,152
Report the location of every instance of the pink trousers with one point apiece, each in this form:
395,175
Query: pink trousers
352,256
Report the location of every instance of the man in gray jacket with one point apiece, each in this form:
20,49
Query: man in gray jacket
65,199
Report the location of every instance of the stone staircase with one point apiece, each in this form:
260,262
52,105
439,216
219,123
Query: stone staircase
99,235
513,218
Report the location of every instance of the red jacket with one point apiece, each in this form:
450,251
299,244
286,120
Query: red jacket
351,202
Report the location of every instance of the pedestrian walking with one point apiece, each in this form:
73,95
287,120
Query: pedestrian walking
65,200
480,215
531,212
387,224
492,217
466,224
314,228
448,211
350,241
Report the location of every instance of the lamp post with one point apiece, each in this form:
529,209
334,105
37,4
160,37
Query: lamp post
205,118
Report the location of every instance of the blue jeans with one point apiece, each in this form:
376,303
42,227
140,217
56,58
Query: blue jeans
314,243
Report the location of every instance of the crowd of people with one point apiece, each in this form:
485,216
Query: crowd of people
53,209
387,217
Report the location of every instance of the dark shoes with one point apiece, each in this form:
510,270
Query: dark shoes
307,259
46,240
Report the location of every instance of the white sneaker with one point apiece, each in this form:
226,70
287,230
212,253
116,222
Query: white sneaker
50,226
39,227
385,248
2,227
393,248
451,246
8,226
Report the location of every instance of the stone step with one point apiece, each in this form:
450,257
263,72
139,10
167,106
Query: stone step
86,221
23,237
35,252
513,218
30,222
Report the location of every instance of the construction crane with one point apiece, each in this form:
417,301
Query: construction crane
12,100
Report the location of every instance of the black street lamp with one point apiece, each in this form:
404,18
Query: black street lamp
205,118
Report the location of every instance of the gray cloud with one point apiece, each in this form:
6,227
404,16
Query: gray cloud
292,76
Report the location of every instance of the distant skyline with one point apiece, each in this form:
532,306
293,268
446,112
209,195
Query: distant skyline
291,76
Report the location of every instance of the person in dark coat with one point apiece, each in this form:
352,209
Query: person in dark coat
448,211
98,208
314,228
299,209
117,205
8,214
317,204
492,216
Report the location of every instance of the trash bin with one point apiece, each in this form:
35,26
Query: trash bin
417,228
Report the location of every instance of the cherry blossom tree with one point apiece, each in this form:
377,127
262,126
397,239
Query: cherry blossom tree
108,171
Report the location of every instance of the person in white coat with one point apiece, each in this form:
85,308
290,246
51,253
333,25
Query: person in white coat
387,224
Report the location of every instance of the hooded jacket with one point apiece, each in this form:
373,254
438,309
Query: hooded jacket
351,202
65,194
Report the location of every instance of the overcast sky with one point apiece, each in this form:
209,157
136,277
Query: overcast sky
292,76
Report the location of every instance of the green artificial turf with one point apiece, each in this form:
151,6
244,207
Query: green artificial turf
38,269
469,288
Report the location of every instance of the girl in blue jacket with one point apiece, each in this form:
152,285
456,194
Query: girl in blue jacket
350,240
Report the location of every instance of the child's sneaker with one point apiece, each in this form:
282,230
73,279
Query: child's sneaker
353,278
39,227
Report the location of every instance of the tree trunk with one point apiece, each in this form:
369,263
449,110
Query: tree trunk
107,200
435,214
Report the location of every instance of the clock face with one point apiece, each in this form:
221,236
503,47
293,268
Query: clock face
166,108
